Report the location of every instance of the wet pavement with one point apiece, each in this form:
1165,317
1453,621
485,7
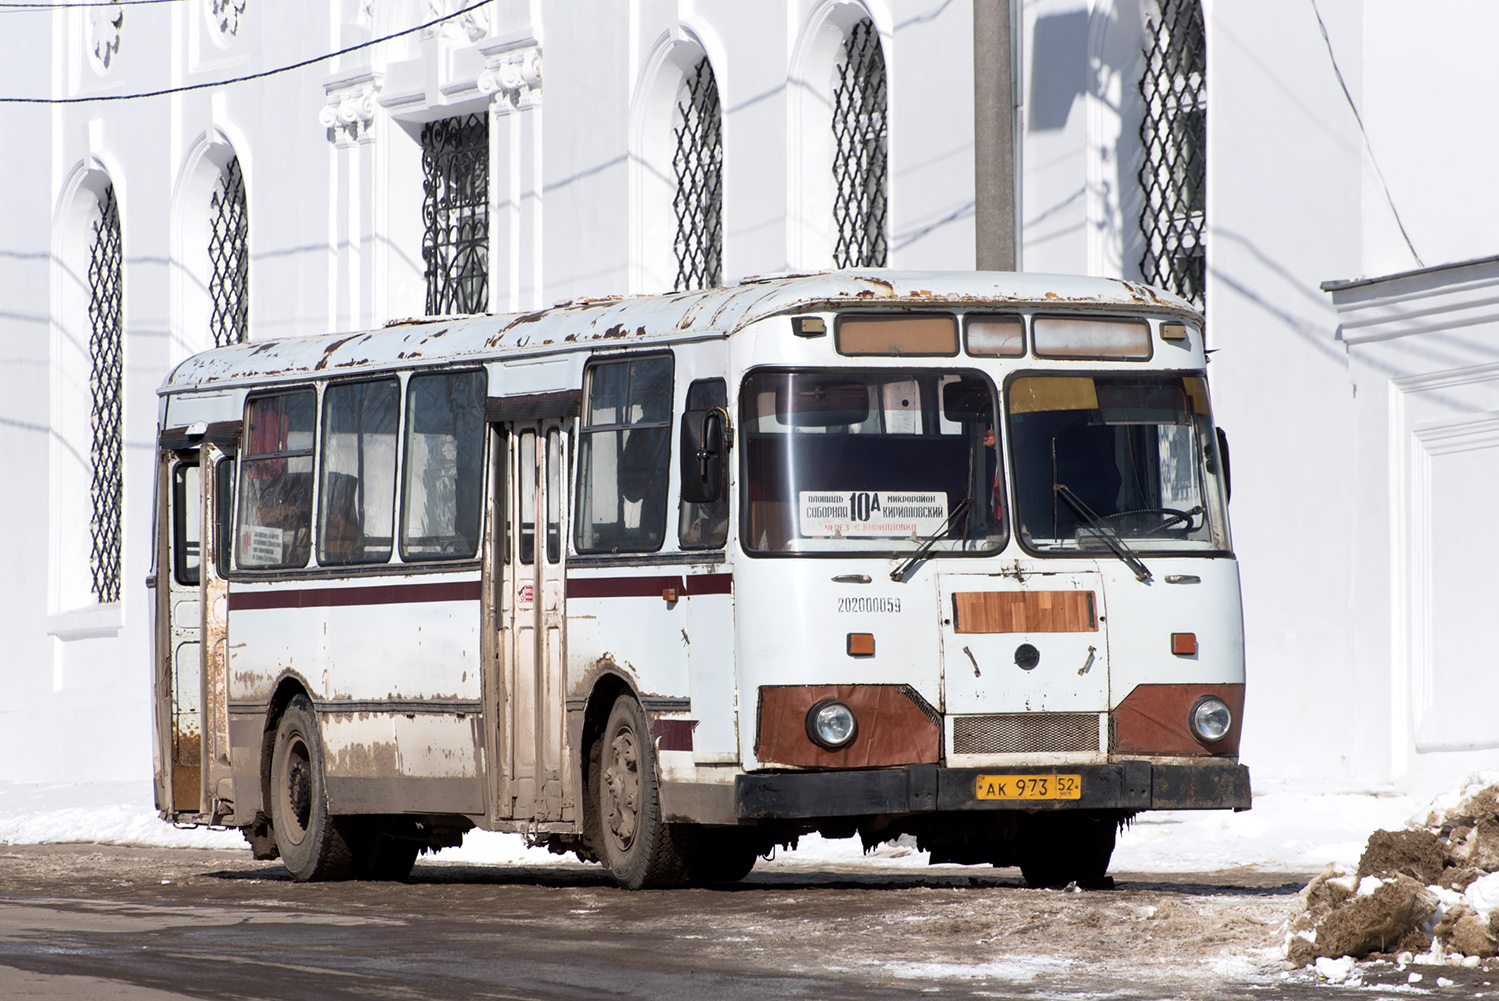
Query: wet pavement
138,924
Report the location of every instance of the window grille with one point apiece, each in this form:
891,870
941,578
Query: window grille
699,168
455,210
229,256
860,134
106,369
1174,134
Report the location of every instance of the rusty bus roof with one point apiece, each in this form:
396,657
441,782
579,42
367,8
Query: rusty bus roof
625,320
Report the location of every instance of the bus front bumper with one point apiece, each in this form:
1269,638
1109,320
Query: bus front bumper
1213,784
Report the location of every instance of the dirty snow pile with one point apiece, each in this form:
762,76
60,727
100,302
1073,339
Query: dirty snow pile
1426,894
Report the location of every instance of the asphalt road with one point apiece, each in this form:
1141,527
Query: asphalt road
124,924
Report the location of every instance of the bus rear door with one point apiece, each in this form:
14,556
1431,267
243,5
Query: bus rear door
192,697
526,576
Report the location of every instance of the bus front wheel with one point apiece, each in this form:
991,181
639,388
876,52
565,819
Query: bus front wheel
641,850
313,846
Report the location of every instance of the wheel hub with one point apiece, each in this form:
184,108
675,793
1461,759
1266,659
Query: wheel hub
622,785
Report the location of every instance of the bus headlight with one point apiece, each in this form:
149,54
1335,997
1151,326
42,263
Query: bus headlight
831,724
1210,719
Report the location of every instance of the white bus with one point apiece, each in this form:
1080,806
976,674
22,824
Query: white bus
669,581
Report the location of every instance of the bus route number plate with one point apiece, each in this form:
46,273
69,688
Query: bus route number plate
1029,787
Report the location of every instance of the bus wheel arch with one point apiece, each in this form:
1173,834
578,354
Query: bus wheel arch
608,685
623,824
314,844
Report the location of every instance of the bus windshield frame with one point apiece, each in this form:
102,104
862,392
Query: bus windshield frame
870,462
1103,456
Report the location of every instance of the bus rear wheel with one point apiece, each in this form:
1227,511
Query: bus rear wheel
313,845
640,849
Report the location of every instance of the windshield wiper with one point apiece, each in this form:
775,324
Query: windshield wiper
931,540
1110,537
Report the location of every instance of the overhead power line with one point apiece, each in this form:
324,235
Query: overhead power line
1365,133
90,3
249,76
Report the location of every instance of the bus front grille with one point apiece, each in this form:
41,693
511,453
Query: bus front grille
1025,733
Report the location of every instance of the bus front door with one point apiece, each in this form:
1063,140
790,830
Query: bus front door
530,611
192,697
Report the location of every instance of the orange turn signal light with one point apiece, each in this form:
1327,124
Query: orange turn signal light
861,644
668,594
1184,644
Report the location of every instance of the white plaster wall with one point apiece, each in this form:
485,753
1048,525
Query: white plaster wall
1283,214
1435,157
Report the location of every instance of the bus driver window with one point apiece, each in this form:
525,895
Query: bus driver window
275,501
624,452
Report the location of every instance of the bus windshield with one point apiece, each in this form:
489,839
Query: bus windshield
1099,458
841,461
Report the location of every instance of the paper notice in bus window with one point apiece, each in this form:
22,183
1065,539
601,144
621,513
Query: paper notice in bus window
260,545
870,514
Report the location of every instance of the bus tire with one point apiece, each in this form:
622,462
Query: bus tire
1062,847
313,845
640,849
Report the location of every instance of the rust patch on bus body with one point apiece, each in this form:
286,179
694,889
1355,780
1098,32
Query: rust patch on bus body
893,729
1024,612
187,768
366,761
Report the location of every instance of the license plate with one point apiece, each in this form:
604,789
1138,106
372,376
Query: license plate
1029,787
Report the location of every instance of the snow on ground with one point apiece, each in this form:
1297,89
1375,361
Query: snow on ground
1297,825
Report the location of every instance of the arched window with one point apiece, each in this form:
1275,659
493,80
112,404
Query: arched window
1174,134
455,162
698,163
860,137
229,257
106,377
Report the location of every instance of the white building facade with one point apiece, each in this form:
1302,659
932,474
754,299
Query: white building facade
510,154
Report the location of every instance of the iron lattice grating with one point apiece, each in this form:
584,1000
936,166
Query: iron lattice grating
698,163
1173,132
1025,733
455,213
860,156
229,258
106,376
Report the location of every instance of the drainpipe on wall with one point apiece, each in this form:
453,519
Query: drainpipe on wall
994,135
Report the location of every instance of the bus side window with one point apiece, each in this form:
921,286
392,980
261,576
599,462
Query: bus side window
357,493
555,480
275,490
187,535
526,517
443,485
223,493
706,526
624,456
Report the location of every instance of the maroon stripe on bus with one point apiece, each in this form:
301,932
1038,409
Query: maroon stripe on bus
649,587
620,587
673,734
326,597
710,583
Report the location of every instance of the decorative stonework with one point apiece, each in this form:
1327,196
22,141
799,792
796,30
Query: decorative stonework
104,24
224,16
513,79
471,25
350,112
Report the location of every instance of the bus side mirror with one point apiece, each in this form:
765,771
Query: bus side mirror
1228,477
701,461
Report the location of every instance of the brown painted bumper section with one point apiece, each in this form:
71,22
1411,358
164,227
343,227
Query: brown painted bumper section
1126,785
